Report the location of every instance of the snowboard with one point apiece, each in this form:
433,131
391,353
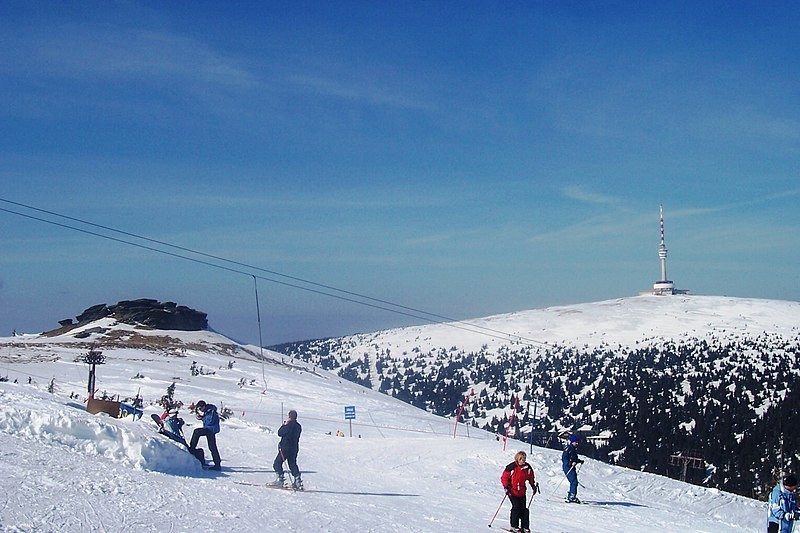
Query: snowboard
197,453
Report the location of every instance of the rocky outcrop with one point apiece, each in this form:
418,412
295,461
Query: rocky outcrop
147,312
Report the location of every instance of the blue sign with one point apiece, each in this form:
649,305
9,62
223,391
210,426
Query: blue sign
349,412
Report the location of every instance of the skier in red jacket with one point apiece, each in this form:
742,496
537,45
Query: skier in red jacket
513,479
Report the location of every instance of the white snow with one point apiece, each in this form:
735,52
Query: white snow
65,470
622,321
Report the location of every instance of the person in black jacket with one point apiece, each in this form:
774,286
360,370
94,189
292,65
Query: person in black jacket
569,462
208,414
288,448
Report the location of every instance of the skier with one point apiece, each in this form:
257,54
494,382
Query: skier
208,414
288,448
782,508
569,461
513,479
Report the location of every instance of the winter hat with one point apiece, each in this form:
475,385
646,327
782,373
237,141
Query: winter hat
790,481
200,405
573,438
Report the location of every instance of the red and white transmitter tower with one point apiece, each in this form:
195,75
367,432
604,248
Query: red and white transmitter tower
664,286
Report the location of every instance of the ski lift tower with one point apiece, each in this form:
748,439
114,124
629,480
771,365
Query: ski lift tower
686,462
93,357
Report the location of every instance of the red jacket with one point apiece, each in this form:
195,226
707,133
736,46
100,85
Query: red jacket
515,476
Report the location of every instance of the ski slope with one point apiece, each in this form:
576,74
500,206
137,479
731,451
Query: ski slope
402,470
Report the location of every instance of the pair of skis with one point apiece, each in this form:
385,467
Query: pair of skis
288,488
517,530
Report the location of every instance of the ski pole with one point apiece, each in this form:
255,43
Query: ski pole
498,509
286,462
534,492
562,479
577,472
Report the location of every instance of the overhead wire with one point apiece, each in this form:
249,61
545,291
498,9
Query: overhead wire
329,290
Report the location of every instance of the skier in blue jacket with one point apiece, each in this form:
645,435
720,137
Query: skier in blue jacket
208,414
569,462
782,506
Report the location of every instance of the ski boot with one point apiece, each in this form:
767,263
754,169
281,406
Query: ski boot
280,481
297,484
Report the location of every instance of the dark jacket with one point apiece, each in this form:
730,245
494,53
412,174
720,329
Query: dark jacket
289,433
211,418
569,459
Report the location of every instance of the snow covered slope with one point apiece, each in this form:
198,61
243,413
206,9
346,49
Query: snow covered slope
402,470
624,321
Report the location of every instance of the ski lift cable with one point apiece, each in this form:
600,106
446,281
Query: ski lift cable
226,260
215,265
441,319
395,308
458,324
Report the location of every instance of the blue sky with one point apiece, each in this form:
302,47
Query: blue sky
458,160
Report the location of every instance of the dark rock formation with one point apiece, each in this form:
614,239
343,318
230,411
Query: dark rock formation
147,312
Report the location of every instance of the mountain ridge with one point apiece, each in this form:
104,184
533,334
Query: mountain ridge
554,325
659,375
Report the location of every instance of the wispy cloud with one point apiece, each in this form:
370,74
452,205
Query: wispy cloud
577,192
371,92
751,128
591,228
783,194
425,240
112,54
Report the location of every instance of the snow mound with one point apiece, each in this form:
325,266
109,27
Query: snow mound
70,429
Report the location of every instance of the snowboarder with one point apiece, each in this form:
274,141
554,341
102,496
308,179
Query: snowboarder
208,414
782,506
172,426
288,448
569,462
513,479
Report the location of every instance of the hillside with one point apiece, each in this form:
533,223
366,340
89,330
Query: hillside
401,471
713,377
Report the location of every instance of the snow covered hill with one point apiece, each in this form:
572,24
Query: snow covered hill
402,470
623,321
648,376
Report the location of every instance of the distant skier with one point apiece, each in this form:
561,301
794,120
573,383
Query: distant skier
513,479
782,509
288,448
208,414
569,463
